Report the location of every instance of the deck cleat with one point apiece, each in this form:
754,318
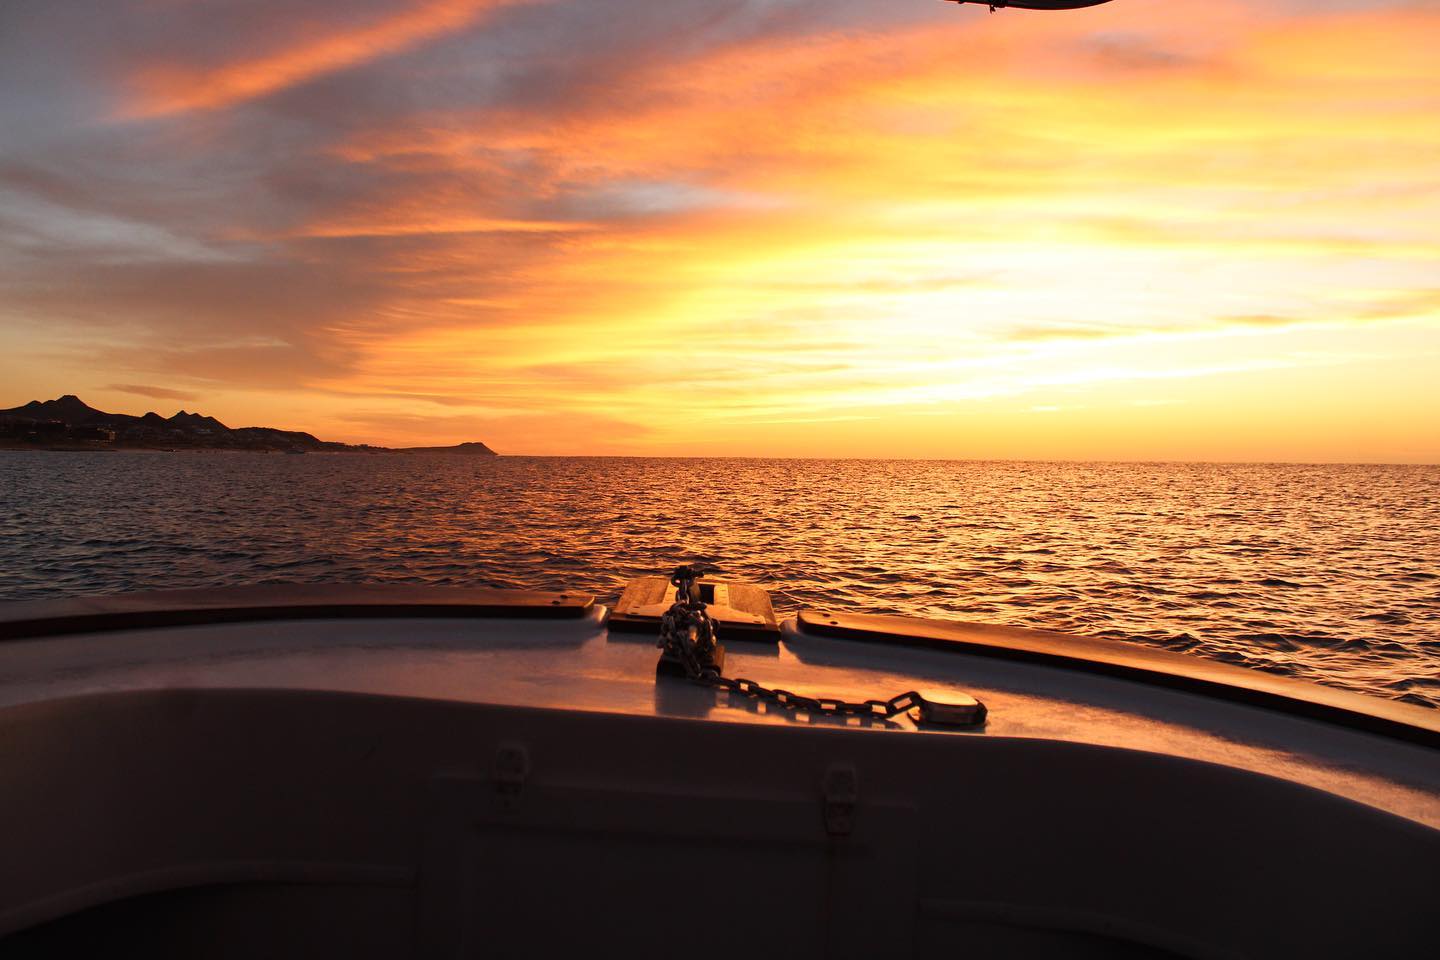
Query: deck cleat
948,709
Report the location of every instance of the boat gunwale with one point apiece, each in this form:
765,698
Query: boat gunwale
1135,663
35,619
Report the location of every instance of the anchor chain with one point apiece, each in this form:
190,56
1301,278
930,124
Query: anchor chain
826,706
688,636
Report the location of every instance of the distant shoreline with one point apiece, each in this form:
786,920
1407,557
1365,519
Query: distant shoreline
446,451
7,447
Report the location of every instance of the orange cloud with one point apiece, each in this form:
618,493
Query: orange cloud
169,88
431,224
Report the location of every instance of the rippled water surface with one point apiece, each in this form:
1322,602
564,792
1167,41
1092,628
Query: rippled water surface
1324,572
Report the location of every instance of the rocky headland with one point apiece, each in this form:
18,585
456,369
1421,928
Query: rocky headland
68,423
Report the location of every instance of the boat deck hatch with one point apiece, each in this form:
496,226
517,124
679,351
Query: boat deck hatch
742,611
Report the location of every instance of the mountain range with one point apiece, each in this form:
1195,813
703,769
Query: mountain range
71,423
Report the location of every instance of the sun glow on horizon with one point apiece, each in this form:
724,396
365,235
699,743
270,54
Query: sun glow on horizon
1193,230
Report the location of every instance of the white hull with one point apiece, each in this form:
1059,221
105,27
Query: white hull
501,786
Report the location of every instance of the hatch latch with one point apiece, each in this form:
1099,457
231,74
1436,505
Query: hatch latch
512,766
841,790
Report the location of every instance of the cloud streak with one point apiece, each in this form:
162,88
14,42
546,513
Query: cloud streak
157,393
302,53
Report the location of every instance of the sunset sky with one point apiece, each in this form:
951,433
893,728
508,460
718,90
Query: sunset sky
1168,229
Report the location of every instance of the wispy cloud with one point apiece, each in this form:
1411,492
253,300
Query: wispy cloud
158,393
300,48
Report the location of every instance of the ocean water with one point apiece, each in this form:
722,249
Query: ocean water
1330,573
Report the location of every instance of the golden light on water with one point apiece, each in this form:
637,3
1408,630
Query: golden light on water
1190,230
